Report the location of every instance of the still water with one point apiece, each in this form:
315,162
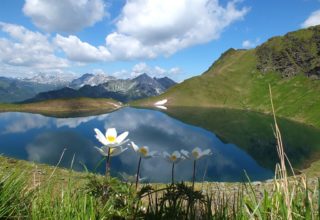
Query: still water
239,141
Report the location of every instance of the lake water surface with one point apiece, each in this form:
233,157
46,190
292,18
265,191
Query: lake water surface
239,141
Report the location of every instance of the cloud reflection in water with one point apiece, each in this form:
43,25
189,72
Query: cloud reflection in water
149,128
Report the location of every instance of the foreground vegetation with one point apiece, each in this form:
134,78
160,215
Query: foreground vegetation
32,191
64,107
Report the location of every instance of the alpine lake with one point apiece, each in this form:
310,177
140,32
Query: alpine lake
241,141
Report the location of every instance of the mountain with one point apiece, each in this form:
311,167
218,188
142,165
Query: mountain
123,90
240,79
15,90
166,82
90,79
58,80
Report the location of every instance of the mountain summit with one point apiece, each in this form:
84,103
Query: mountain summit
123,90
90,79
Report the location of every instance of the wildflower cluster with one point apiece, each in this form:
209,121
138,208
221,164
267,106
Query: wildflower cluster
112,145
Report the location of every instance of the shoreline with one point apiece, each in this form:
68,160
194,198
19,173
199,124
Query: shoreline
61,174
65,107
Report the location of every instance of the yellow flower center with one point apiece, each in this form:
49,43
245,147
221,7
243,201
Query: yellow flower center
173,158
195,154
143,151
111,139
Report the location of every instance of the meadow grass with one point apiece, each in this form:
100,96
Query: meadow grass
109,198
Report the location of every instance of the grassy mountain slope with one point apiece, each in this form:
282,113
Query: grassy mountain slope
235,81
65,107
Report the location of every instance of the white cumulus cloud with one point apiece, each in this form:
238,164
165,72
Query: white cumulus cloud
76,50
147,29
312,20
155,71
64,15
247,44
142,67
25,48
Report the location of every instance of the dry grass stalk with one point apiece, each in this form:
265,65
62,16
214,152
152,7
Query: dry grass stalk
281,171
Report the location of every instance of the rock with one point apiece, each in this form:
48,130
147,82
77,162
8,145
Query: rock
296,52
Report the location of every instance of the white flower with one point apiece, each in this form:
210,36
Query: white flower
114,151
196,153
111,139
144,151
161,102
175,157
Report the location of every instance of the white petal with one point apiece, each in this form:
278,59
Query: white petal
105,149
151,154
162,107
118,151
101,151
166,156
134,146
122,136
205,153
185,153
196,151
154,154
161,102
111,132
118,144
101,137
177,154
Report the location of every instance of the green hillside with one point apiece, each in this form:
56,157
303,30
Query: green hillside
240,78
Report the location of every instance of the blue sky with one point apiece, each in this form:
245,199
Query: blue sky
179,39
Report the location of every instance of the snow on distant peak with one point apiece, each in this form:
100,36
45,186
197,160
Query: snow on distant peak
90,79
50,78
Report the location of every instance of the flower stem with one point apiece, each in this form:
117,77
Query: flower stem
138,172
172,174
194,174
108,163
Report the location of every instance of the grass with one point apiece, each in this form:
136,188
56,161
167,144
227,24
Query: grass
234,82
65,107
25,196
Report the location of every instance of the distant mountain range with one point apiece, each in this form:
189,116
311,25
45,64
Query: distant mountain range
90,79
50,86
15,90
123,90
58,79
